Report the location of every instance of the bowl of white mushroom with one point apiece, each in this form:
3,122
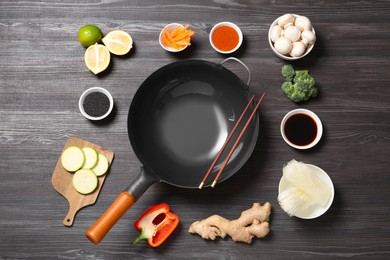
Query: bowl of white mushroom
291,36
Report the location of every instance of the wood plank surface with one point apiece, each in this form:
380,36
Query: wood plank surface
42,75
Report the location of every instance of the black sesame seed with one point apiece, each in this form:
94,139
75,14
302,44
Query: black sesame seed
96,104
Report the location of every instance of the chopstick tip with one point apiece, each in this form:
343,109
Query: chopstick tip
201,185
214,183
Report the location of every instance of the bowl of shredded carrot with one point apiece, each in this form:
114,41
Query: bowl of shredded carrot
175,37
225,37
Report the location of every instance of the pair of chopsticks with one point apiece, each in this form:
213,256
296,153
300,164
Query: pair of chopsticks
235,144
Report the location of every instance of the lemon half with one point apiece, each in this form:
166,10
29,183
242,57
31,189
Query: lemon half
97,58
118,42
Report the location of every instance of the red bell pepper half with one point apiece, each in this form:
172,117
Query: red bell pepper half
156,224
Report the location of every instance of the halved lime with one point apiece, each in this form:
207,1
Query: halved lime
97,58
118,42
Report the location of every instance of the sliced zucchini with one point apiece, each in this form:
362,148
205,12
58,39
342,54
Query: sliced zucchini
85,181
72,158
91,157
102,165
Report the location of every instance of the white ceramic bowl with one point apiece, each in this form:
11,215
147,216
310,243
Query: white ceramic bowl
310,114
92,90
232,25
314,211
288,57
170,27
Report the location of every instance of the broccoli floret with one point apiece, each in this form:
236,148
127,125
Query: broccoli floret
301,87
293,91
288,88
288,72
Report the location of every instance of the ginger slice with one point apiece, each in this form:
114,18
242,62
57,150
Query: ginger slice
253,222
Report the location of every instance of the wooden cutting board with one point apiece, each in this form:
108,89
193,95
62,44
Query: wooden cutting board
62,181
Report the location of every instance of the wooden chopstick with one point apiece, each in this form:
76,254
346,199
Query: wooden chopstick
237,141
226,142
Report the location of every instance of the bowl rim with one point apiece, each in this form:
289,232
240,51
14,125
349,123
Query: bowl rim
93,90
313,116
170,27
232,25
321,210
284,57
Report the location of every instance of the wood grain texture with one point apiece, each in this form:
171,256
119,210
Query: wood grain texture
42,75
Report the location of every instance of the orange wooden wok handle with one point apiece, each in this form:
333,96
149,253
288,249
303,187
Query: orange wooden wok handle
117,209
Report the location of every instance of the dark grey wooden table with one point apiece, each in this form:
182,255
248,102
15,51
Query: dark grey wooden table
42,75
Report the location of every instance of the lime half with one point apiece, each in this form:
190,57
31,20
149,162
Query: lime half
118,42
97,58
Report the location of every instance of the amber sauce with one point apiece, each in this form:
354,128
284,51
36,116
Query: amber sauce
300,129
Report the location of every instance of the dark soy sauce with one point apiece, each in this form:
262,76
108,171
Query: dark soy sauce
300,129
96,104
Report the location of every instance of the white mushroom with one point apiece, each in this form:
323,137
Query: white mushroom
288,24
308,37
276,32
304,43
286,20
292,33
298,49
303,23
283,45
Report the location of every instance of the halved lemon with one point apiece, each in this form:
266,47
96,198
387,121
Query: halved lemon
97,58
118,42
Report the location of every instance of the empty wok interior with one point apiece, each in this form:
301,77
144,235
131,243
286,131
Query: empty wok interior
181,116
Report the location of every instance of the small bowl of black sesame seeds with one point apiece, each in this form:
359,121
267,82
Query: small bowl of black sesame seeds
96,103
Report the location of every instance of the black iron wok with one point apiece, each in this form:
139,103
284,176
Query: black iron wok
178,120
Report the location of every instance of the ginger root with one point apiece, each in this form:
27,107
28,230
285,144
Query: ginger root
252,222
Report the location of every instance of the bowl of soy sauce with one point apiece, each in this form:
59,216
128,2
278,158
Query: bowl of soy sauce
301,128
96,103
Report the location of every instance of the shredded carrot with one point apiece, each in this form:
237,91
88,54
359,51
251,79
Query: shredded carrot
181,36
183,43
167,36
176,31
167,43
168,40
178,38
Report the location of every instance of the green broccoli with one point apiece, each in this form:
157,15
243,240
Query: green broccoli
299,85
288,72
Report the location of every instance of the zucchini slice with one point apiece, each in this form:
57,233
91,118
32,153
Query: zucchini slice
102,165
72,158
91,157
85,181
